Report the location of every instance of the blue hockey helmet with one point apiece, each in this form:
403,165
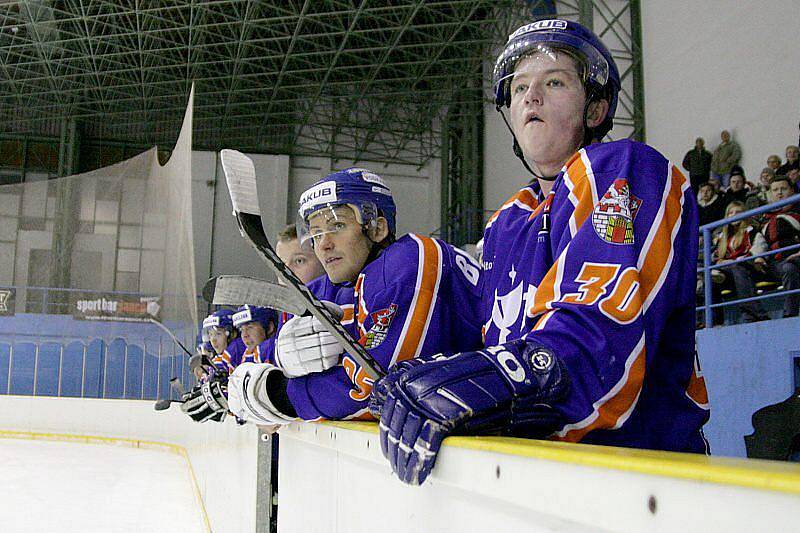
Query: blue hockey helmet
600,72
253,313
221,319
360,188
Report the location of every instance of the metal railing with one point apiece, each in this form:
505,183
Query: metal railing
707,230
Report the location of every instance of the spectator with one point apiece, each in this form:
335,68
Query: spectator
740,239
726,155
793,179
710,205
774,162
758,195
792,161
781,228
698,162
736,191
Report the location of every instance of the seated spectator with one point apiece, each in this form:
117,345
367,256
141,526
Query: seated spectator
758,194
736,191
736,240
793,179
781,228
711,206
698,162
726,155
774,162
792,161
716,184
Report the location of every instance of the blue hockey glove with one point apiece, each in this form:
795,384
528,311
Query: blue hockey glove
381,387
507,390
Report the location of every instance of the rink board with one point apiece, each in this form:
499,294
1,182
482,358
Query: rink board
334,478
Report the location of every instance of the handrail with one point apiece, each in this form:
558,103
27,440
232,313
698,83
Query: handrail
706,231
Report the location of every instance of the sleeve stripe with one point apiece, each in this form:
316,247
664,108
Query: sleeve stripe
696,390
613,409
429,274
524,199
347,317
655,259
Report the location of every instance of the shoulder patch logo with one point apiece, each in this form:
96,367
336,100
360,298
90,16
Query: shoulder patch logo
614,214
381,320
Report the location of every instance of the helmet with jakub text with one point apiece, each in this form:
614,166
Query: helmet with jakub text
359,188
600,73
221,319
253,313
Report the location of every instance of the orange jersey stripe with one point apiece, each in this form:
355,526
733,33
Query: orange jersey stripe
419,315
696,390
658,249
612,410
523,198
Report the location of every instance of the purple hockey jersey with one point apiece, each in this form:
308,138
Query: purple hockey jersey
420,296
602,272
230,358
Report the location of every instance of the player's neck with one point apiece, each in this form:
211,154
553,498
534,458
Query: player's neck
546,186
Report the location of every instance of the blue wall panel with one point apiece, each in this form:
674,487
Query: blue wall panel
133,372
114,369
746,367
72,369
23,357
95,360
5,359
47,368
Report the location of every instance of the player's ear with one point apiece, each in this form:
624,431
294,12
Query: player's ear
596,113
379,231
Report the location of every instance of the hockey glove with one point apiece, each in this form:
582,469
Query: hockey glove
305,346
382,387
249,395
206,401
506,390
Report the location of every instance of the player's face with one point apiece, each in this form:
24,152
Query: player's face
341,245
300,260
780,190
547,99
253,334
218,337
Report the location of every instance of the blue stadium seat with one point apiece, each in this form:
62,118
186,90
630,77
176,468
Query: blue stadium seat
72,369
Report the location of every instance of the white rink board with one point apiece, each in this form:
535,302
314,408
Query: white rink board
335,479
223,456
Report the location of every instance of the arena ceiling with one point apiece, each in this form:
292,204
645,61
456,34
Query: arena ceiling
351,79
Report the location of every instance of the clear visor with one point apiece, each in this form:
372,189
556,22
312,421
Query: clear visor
592,66
332,219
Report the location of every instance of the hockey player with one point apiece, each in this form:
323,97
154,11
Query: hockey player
588,283
398,298
298,257
256,327
219,329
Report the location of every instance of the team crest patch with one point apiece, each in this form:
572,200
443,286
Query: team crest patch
381,320
613,216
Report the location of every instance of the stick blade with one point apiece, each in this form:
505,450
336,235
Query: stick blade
238,290
240,175
209,289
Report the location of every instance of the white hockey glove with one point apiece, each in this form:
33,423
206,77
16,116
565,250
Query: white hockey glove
248,395
305,346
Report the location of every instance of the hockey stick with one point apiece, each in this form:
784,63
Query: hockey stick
239,290
176,385
241,177
171,335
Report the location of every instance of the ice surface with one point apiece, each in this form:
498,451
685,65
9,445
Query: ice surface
63,486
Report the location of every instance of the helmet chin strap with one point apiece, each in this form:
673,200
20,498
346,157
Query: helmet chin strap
587,139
